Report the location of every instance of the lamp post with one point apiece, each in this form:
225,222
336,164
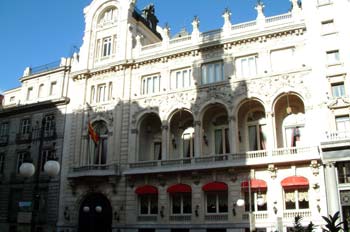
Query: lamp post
259,201
27,169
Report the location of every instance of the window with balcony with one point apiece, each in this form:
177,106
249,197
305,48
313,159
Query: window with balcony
212,72
148,204
157,149
343,172
338,89
181,78
21,157
98,143
342,123
293,135
25,126
188,142
256,131
296,199
2,163
333,57
181,203
222,145
216,202
278,58
150,84
29,93
246,66
4,132
49,126
106,47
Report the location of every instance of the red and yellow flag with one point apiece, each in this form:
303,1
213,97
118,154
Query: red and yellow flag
93,134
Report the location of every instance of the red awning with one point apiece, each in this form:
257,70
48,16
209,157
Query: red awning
179,188
214,187
146,189
295,182
255,185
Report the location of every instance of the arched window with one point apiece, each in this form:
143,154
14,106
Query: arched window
98,142
188,142
108,16
256,130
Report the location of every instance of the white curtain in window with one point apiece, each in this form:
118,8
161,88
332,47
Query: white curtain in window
290,197
303,196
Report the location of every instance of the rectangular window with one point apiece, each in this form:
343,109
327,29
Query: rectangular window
2,163
217,202
279,57
92,94
181,203
41,90
151,84
4,129
25,126
106,46
222,145
50,125
343,172
257,137
101,93
12,99
21,157
110,91
53,88
246,66
254,200
333,57
338,89
148,204
212,72
181,78
157,151
327,27
342,123
296,199
29,93
46,155
293,135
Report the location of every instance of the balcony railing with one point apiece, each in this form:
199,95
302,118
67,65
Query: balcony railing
337,135
262,156
216,217
293,213
180,218
147,218
23,138
94,170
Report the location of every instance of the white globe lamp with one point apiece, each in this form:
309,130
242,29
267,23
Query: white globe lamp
240,202
27,169
98,209
52,168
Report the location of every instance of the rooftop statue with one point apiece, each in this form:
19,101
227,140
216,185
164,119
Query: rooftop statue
149,14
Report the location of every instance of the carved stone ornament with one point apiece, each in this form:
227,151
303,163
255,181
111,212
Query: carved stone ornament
315,167
273,170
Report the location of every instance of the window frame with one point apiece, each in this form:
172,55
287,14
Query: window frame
21,157
151,84
182,197
4,129
241,70
149,198
181,76
297,201
338,89
106,48
25,126
217,202
30,91
209,72
333,57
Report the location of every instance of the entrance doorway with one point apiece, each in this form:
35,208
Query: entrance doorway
95,214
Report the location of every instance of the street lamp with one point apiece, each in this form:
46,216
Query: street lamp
27,169
260,202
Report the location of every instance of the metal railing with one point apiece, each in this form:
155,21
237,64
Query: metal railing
45,67
337,135
95,167
216,217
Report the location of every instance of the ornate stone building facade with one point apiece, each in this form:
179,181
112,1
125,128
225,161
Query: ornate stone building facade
171,134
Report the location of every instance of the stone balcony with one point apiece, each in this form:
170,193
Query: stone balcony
94,170
335,139
262,157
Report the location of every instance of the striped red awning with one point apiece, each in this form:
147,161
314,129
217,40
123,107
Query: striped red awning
146,189
214,187
179,188
255,185
295,182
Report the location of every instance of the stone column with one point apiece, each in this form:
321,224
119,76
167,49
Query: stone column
331,188
197,139
164,142
232,134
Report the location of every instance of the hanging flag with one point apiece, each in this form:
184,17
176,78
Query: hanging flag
92,133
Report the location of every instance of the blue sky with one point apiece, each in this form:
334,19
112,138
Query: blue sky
37,32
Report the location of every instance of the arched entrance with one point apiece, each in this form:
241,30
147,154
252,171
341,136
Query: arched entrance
95,214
